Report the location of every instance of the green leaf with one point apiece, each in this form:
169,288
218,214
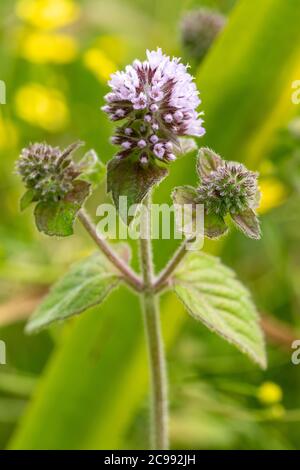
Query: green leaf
214,226
186,210
57,218
85,285
133,180
27,199
248,223
184,195
93,170
212,294
207,161
107,349
186,146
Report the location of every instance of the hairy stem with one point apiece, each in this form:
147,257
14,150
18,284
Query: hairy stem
164,276
128,274
159,404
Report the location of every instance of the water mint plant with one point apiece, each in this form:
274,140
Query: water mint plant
155,103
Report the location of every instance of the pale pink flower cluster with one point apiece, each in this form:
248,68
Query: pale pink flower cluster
157,99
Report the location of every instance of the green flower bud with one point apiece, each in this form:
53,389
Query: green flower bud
199,29
227,188
231,188
48,171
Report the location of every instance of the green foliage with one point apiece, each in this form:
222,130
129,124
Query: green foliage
248,223
207,161
186,146
85,384
91,392
85,285
64,195
184,195
214,224
93,170
186,209
133,180
212,294
57,218
225,188
27,199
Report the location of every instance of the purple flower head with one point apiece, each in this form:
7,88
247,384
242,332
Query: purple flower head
158,101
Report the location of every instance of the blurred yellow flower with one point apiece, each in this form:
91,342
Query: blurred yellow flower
269,393
273,194
8,134
98,63
43,107
48,14
43,48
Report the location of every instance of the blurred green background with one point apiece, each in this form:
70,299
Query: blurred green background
83,384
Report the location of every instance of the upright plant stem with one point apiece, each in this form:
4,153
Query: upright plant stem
159,403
